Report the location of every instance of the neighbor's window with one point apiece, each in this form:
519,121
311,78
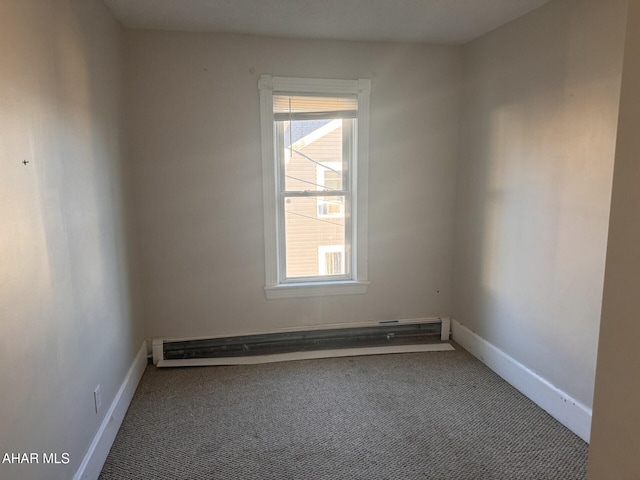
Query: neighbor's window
315,136
331,260
329,177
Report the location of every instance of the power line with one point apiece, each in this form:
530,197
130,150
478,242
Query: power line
314,218
314,161
311,183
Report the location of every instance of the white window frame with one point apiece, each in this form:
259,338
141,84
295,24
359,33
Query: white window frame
357,283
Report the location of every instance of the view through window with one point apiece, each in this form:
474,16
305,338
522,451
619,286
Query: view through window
315,150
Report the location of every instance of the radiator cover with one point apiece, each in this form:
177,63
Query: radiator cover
384,334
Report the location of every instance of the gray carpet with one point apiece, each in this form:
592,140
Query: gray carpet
435,415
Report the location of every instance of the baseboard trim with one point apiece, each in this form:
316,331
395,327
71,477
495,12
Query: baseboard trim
567,410
103,440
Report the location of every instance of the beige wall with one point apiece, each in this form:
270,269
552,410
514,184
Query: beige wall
196,167
540,104
615,436
65,316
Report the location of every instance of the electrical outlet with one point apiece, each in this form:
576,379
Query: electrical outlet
97,399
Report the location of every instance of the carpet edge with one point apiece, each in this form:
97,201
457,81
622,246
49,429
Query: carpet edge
563,407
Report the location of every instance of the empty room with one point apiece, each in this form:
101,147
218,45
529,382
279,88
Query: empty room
294,239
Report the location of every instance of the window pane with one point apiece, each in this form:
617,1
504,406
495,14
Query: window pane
313,154
315,244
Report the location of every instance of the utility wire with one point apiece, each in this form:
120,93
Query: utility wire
314,218
324,187
314,161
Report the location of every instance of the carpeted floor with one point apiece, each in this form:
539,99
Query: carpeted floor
436,415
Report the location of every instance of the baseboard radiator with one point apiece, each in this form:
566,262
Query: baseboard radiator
381,337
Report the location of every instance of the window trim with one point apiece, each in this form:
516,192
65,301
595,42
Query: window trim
360,166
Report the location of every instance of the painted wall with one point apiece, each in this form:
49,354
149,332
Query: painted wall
615,435
538,127
196,168
65,314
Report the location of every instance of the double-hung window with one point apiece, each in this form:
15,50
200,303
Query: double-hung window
314,159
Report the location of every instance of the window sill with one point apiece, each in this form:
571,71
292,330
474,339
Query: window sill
315,289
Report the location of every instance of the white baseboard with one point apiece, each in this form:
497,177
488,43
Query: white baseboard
99,449
567,410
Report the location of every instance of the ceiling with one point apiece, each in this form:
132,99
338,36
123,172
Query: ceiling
432,21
